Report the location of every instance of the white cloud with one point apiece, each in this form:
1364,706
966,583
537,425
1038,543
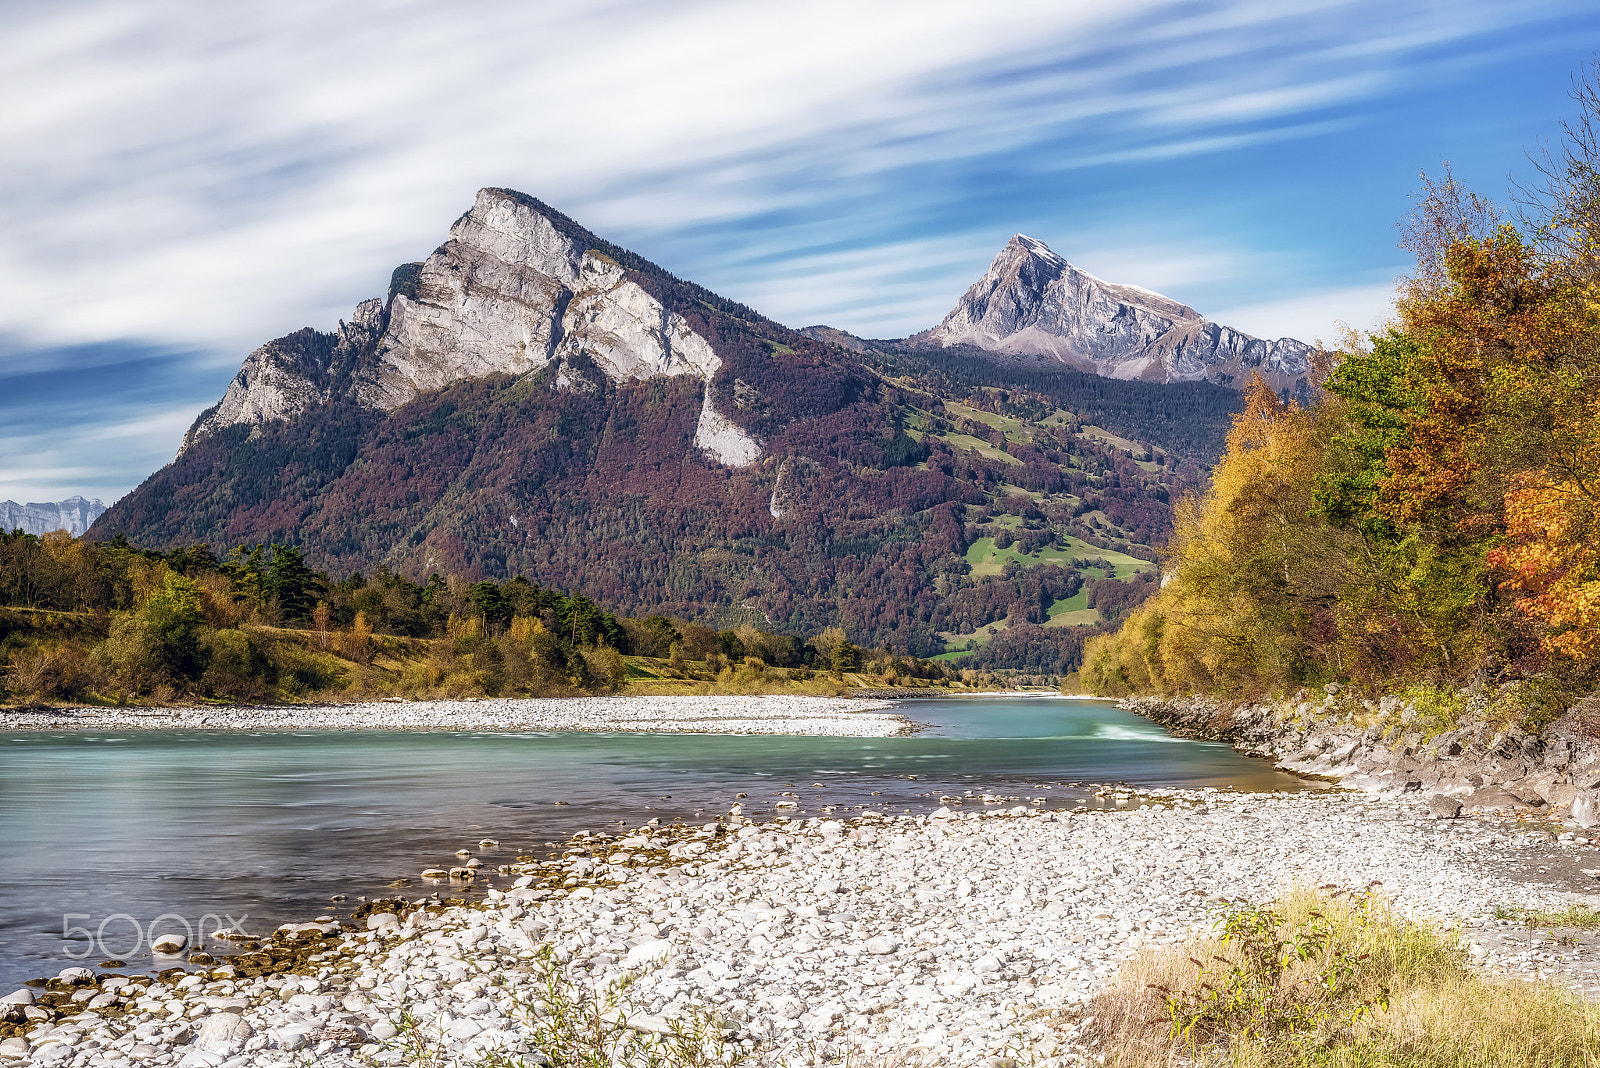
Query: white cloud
219,174
1314,315
203,177
92,459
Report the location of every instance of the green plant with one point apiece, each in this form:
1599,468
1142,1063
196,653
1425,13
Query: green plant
1247,990
1333,980
571,1024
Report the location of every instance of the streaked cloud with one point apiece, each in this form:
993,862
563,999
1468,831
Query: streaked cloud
199,178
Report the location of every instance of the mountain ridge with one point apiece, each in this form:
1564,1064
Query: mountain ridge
75,515
1032,302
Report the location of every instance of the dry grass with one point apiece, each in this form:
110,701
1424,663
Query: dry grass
1334,981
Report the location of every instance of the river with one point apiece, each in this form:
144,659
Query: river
101,834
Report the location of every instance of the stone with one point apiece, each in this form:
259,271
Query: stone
1586,810
379,920
1444,807
220,1029
652,951
168,945
1490,798
23,996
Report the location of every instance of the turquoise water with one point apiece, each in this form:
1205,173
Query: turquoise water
120,828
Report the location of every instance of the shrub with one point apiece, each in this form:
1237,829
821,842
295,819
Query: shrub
236,665
1333,980
51,672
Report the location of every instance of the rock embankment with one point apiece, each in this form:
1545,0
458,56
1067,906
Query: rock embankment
1392,747
949,938
844,717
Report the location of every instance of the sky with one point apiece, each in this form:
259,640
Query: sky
183,181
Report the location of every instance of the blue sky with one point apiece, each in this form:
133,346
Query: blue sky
185,181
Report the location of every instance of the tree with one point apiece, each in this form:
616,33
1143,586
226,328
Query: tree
320,617
290,585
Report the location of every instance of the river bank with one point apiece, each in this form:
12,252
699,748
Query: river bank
1464,761
863,717
949,937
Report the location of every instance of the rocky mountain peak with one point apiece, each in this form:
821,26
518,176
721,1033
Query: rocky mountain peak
516,288
1032,305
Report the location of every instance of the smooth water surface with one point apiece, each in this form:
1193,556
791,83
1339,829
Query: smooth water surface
120,828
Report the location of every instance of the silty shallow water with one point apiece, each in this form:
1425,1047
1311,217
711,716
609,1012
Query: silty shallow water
104,832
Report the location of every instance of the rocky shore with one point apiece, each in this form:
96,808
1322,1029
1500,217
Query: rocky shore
861,717
1394,747
966,935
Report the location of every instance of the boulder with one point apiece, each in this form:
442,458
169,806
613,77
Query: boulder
1444,807
1490,798
220,1029
1586,810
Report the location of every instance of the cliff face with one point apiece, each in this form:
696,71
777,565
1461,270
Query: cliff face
516,288
73,515
1032,305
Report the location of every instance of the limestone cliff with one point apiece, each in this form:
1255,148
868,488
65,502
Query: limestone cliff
73,515
1033,305
516,288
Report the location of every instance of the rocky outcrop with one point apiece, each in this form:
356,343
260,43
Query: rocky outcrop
1033,305
73,515
1389,747
516,288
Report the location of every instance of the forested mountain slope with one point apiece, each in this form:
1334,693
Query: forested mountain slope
532,399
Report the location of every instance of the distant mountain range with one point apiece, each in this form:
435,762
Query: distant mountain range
73,515
532,398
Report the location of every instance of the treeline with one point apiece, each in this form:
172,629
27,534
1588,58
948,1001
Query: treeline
1436,518
114,622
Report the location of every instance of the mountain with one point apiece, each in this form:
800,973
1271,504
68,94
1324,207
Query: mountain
1033,307
517,288
534,399
73,515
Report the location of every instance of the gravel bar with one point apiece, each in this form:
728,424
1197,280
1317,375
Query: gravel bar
819,716
955,937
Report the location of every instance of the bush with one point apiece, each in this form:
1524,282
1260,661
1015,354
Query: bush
51,672
1333,980
236,666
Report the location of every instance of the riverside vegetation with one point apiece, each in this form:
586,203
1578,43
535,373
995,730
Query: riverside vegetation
1397,585
1430,523
110,623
